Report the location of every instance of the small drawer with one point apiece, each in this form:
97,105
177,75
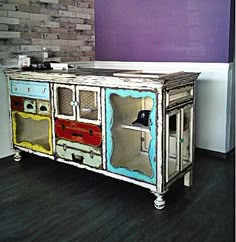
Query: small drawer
178,95
29,106
79,132
43,107
37,90
79,153
17,103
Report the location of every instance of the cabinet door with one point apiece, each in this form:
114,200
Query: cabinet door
65,103
32,131
179,140
131,134
89,108
172,144
186,139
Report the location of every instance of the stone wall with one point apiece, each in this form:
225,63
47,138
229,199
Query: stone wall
64,27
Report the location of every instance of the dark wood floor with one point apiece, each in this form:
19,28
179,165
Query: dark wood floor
42,200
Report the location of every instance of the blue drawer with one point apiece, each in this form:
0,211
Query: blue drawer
38,90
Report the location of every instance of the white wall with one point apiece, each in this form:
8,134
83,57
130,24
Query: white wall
5,134
214,105
230,143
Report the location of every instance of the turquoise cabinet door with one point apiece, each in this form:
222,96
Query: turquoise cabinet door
131,133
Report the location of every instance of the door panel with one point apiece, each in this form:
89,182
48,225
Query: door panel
32,132
64,98
131,145
89,108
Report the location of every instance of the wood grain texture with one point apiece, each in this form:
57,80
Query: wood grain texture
42,200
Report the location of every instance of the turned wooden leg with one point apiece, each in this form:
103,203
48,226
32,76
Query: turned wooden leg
159,202
188,179
17,157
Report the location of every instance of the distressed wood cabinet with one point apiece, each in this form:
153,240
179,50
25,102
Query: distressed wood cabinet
133,126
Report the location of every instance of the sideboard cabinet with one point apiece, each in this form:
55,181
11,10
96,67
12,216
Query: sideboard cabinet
133,126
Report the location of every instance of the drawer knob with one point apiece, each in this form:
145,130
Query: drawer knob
64,147
74,103
28,89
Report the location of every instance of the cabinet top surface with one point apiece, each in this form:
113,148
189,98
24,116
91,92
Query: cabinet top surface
107,77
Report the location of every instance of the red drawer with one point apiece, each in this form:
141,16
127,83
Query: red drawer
17,103
89,134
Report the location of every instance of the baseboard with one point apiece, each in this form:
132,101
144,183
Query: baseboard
216,153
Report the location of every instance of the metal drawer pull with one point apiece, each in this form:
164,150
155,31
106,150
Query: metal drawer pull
29,106
77,135
91,153
28,89
64,147
77,158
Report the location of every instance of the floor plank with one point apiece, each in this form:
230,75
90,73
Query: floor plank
43,200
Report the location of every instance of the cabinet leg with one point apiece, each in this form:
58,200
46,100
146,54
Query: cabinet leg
159,202
188,179
17,157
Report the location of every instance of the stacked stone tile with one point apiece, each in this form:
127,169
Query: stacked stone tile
64,27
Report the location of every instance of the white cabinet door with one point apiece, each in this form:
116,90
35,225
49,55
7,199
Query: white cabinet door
179,140
89,107
65,101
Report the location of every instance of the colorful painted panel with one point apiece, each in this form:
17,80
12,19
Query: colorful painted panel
131,133
80,153
32,131
43,107
30,89
17,103
30,106
79,132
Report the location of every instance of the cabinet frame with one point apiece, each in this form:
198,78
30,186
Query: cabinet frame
170,93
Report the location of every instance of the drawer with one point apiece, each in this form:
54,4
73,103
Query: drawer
79,153
80,132
38,90
43,107
17,103
29,106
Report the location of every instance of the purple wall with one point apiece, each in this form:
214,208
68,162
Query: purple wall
162,30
